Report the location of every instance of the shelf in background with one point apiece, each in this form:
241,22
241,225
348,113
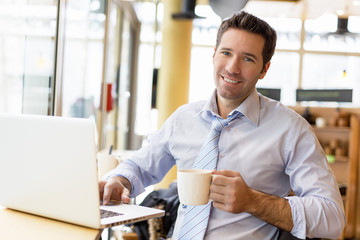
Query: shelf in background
332,129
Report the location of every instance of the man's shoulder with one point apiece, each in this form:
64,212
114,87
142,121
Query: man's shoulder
279,110
191,108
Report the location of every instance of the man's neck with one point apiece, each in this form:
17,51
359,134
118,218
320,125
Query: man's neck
226,106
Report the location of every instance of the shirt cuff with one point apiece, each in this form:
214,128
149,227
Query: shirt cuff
298,216
134,181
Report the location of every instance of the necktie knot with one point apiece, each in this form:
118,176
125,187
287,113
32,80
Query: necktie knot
219,123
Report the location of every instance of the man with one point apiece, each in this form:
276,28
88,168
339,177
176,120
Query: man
264,153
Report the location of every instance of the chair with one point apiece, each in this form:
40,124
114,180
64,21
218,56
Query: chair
283,235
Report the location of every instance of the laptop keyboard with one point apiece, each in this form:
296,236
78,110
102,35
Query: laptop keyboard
107,213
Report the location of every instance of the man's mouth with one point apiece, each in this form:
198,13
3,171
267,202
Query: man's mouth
229,80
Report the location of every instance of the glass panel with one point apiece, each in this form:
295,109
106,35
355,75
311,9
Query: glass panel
83,57
27,33
332,71
124,91
121,49
201,73
354,24
283,73
114,120
146,13
205,29
321,34
288,32
150,15
145,91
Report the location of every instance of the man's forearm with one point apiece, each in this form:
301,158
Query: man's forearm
271,209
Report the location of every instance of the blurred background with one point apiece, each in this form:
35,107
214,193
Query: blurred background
128,64
100,59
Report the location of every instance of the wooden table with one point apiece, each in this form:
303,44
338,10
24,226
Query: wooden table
16,225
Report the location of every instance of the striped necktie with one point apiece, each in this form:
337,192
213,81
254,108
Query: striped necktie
196,217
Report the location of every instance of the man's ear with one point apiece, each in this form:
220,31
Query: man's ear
214,52
264,71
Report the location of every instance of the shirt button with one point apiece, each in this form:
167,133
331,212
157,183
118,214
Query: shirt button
221,155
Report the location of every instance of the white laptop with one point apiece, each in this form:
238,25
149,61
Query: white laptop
48,168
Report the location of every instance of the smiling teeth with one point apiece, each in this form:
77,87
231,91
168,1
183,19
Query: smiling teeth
230,81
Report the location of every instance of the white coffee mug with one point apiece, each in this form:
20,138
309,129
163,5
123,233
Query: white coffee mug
194,186
106,163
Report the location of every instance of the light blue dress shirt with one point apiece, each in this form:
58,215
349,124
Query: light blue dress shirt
272,147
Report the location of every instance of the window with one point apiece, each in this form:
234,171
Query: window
27,33
322,34
323,60
322,71
283,74
83,58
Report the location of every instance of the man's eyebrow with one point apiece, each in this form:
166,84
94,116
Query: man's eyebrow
226,49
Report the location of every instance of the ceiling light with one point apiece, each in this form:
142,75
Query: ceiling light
340,12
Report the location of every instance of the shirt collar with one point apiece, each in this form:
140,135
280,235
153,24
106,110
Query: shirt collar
250,108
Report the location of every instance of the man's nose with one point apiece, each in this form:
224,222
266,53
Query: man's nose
233,66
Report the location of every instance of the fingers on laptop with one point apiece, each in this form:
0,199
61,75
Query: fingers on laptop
125,198
114,190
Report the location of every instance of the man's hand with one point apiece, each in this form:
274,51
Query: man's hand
230,193
115,188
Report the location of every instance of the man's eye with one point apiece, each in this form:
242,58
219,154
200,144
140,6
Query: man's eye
248,59
226,53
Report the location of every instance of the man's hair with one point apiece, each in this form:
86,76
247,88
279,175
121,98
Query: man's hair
250,23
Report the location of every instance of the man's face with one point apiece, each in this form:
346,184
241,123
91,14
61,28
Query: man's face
238,64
